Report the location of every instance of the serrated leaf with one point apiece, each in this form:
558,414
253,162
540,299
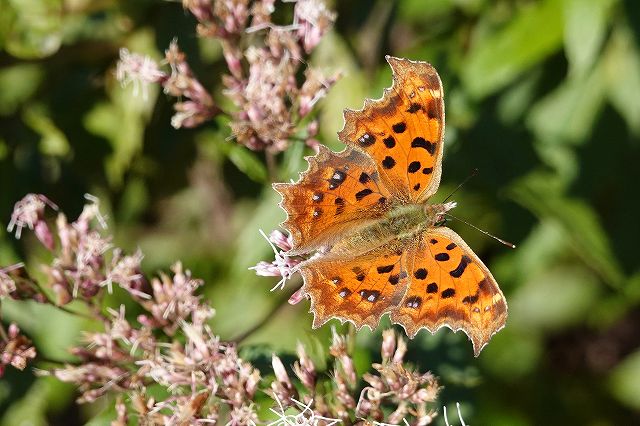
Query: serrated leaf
495,61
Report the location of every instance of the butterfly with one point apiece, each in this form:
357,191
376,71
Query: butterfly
376,244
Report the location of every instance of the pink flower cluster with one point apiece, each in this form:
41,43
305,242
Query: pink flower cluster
264,62
169,343
394,388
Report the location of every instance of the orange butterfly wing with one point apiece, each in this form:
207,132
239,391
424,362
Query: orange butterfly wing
338,191
358,288
450,286
403,131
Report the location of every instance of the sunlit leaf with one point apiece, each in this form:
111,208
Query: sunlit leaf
497,59
586,235
622,65
122,120
18,84
624,381
585,29
553,299
36,28
569,112
53,141
46,396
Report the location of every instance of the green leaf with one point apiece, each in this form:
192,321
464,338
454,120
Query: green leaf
622,67
122,121
624,380
495,61
246,161
553,299
17,84
53,141
581,224
348,92
35,27
586,24
569,112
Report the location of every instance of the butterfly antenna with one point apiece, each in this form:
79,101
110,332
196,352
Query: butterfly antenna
506,243
473,173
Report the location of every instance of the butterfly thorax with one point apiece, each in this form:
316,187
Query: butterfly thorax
401,223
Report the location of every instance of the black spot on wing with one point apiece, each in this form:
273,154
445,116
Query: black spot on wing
369,295
420,274
364,178
385,269
337,179
388,162
414,107
413,302
442,257
363,193
366,140
389,142
448,293
399,127
420,142
471,299
464,261
344,292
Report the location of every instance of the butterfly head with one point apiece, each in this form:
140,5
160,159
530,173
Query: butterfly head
436,212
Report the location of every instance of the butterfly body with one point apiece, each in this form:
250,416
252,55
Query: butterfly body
365,213
403,222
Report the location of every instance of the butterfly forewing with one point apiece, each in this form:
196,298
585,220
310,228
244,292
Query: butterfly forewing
338,191
403,132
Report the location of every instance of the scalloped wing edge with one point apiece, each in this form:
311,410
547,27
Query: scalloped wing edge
313,165
349,116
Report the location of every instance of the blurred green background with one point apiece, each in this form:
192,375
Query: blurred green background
543,97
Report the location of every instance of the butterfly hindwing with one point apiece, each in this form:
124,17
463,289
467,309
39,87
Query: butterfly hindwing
450,286
358,288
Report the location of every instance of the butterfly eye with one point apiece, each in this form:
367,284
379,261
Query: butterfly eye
440,221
